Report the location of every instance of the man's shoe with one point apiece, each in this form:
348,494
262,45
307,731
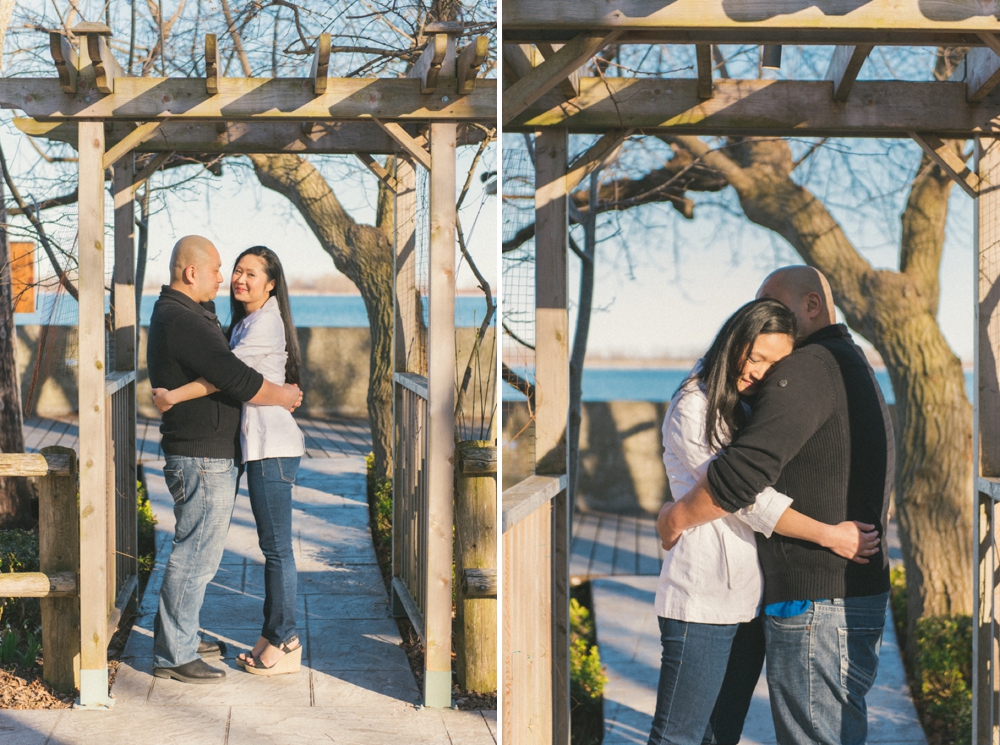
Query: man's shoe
212,650
196,671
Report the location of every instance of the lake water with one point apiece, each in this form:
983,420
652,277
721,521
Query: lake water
340,311
659,384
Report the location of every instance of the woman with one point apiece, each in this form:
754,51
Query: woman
711,581
263,335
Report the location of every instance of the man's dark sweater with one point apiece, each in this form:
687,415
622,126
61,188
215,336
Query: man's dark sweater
821,434
187,343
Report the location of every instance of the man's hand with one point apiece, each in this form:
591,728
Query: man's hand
853,540
668,535
161,400
293,390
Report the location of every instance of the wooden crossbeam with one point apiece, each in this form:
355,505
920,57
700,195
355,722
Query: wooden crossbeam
407,142
597,156
379,170
152,167
518,59
428,67
332,138
570,85
949,161
65,59
321,64
134,138
727,21
263,99
982,68
470,59
703,54
213,66
844,68
541,79
772,108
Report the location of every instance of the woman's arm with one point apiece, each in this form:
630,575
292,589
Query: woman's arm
164,399
850,539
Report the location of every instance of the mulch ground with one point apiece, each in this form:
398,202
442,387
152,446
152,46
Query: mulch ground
25,689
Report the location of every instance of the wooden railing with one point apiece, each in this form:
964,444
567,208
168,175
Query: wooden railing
122,535
409,504
527,609
57,582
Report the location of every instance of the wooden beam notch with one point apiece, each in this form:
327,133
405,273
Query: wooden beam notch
212,64
844,67
66,61
949,161
470,59
105,66
428,67
321,64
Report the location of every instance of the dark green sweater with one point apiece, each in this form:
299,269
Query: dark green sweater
187,343
821,434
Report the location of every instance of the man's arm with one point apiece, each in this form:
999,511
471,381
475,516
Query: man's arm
287,396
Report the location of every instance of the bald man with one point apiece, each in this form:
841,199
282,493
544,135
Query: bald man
820,432
201,445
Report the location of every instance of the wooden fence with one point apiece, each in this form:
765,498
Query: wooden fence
528,661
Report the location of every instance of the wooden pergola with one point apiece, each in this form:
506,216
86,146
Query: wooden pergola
544,47
109,116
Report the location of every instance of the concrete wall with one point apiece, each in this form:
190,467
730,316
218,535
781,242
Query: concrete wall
335,375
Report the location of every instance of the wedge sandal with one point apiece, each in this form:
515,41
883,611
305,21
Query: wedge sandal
290,662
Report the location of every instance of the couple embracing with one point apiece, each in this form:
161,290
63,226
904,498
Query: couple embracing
226,399
779,450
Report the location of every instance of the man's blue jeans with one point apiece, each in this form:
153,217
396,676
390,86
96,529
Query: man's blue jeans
204,492
691,671
820,666
270,482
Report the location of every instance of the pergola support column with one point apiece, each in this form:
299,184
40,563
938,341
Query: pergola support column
95,603
440,416
552,389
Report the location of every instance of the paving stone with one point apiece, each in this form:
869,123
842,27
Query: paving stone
328,579
238,688
236,610
253,726
18,727
467,728
356,645
321,607
133,683
228,579
144,725
360,689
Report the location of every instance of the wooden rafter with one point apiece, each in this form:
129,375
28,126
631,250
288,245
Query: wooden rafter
470,59
65,59
428,67
949,162
982,69
152,167
105,67
321,64
541,79
570,85
518,59
212,65
128,143
725,21
844,68
262,99
597,156
406,141
761,107
379,170
703,54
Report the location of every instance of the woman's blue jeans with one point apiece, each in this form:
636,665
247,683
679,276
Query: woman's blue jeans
270,482
691,672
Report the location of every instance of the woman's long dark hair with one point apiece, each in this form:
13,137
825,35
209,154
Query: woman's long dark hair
723,363
272,267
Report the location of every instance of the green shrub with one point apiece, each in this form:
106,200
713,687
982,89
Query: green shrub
146,524
19,553
942,687
586,678
380,499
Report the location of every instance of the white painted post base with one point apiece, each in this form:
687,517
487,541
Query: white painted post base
94,691
437,689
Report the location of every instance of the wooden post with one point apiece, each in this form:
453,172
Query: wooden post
94,601
59,551
404,292
475,565
552,390
440,416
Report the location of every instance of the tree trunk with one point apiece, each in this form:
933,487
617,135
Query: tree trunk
15,493
897,312
364,254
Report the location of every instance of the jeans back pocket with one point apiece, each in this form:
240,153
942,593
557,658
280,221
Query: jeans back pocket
859,649
174,478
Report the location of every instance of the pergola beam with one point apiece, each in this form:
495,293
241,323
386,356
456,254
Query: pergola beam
65,59
725,21
982,69
213,67
428,68
257,99
844,67
470,59
379,170
130,141
321,65
598,155
541,79
570,85
780,108
703,54
949,162
406,141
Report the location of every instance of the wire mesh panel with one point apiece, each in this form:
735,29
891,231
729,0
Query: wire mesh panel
122,504
518,318
410,515
412,268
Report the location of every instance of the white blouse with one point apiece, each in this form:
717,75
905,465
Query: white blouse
712,575
265,431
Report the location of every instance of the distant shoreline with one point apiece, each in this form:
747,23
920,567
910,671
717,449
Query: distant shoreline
683,363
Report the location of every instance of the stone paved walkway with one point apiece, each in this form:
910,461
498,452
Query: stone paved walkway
629,640
355,686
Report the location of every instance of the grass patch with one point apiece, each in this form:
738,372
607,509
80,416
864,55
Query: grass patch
941,684
587,680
